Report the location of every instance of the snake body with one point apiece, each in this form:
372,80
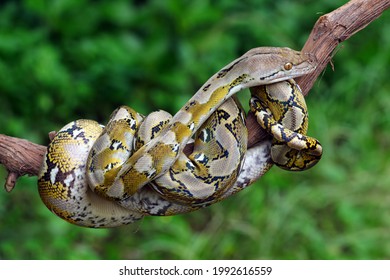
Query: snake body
108,176
281,110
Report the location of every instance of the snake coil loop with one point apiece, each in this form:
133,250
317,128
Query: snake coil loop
136,165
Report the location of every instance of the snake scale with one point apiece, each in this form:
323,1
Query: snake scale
107,176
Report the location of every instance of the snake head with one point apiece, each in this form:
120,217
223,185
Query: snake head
277,64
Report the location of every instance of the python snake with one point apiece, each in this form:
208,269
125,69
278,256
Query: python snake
136,165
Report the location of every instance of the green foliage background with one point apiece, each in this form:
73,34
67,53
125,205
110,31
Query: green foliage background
62,60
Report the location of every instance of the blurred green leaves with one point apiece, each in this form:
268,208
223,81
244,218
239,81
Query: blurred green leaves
61,60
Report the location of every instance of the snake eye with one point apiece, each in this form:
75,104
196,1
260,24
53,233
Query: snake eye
288,66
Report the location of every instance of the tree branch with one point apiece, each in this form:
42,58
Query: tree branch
21,157
333,28
329,31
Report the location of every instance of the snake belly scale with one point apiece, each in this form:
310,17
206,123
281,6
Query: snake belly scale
98,176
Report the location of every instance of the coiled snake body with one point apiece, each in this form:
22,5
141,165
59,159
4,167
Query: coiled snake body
108,176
